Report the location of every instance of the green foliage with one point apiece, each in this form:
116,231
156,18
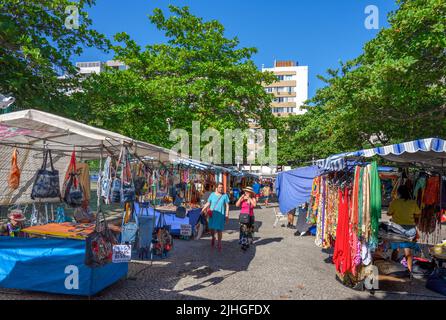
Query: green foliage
394,92
197,75
36,47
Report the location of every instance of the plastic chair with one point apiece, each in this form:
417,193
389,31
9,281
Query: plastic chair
278,216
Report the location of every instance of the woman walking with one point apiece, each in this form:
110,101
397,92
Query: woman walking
217,209
247,203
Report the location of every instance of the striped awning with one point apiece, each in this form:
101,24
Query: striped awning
426,152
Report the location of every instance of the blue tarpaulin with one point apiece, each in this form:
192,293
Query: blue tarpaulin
53,266
293,187
172,220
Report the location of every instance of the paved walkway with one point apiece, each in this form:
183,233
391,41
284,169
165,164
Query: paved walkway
279,266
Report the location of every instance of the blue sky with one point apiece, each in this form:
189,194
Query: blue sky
317,33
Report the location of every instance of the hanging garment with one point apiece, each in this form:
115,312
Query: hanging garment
342,253
314,201
83,171
105,182
360,200
320,216
418,191
375,204
355,199
432,191
14,174
365,202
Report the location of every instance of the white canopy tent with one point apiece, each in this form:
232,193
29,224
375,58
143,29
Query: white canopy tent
31,131
33,128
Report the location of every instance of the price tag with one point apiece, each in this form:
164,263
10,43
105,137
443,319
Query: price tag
186,230
122,253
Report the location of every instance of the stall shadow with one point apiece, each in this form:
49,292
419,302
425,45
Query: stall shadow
192,266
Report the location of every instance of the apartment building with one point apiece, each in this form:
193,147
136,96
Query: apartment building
90,67
291,89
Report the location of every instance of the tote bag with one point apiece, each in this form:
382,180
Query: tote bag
73,194
129,229
46,184
99,244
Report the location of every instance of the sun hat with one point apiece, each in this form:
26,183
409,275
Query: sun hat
16,215
248,189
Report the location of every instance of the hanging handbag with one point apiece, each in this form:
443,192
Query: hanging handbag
99,244
140,182
116,191
129,229
46,184
128,192
73,194
128,189
162,239
14,175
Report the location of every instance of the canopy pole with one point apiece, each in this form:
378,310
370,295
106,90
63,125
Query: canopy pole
99,183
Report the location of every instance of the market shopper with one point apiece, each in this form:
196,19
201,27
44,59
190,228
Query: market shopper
405,212
15,225
257,187
291,214
218,203
266,192
247,203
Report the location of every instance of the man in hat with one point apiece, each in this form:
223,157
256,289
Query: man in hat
14,226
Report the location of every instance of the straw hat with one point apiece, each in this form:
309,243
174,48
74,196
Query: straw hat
249,189
16,215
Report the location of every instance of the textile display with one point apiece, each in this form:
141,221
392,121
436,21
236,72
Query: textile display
347,206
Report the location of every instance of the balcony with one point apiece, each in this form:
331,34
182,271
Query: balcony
283,104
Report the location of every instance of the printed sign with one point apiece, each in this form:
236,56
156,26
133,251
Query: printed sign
122,253
186,230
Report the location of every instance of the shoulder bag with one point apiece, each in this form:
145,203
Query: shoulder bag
99,244
210,212
129,229
46,184
73,194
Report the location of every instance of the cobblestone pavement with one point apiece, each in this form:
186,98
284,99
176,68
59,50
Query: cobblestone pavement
280,266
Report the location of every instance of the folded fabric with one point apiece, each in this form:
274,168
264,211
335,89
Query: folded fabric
391,227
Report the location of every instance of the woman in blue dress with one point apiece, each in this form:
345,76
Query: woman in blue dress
218,202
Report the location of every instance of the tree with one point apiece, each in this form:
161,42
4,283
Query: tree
36,47
394,92
197,75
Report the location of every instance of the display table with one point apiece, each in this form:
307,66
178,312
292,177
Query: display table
53,266
66,230
192,217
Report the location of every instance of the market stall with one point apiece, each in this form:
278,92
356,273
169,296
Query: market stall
44,171
42,166
346,203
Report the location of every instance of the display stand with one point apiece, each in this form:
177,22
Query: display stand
53,266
